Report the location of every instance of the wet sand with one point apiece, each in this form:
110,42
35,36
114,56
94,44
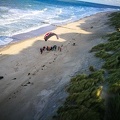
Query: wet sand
34,84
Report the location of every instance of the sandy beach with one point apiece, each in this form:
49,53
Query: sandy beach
34,84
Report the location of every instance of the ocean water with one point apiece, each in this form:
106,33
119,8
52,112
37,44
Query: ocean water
23,16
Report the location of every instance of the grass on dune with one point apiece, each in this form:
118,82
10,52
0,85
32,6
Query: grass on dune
84,98
84,101
115,19
113,108
110,52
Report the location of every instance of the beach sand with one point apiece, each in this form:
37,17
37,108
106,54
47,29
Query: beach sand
34,84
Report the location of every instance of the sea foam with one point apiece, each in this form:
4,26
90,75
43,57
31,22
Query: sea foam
17,18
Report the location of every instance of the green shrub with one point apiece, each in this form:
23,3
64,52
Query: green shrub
114,36
83,101
112,62
98,76
114,77
102,54
98,47
115,88
115,19
78,78
113,108
91,68
75,87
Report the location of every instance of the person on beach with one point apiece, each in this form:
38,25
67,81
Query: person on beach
51,48
44,48
41,50
48,48
55,47
59,48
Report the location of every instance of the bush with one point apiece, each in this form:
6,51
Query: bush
102,54
83,102
113,108
91,68
115,88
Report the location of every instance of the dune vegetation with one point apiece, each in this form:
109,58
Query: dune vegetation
85,100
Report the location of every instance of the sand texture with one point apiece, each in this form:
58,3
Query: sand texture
34,84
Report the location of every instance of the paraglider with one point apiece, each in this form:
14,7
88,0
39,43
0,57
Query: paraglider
50,34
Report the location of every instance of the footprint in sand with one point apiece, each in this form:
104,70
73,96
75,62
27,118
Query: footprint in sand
28,73
16,69
42,67
55,58
73,44
13,95
14,78
33,74
35,71
1,77
28,83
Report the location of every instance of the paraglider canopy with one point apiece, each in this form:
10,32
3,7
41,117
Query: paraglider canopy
50,34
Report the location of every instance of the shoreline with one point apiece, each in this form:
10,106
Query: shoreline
40,31
31,79
25,36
